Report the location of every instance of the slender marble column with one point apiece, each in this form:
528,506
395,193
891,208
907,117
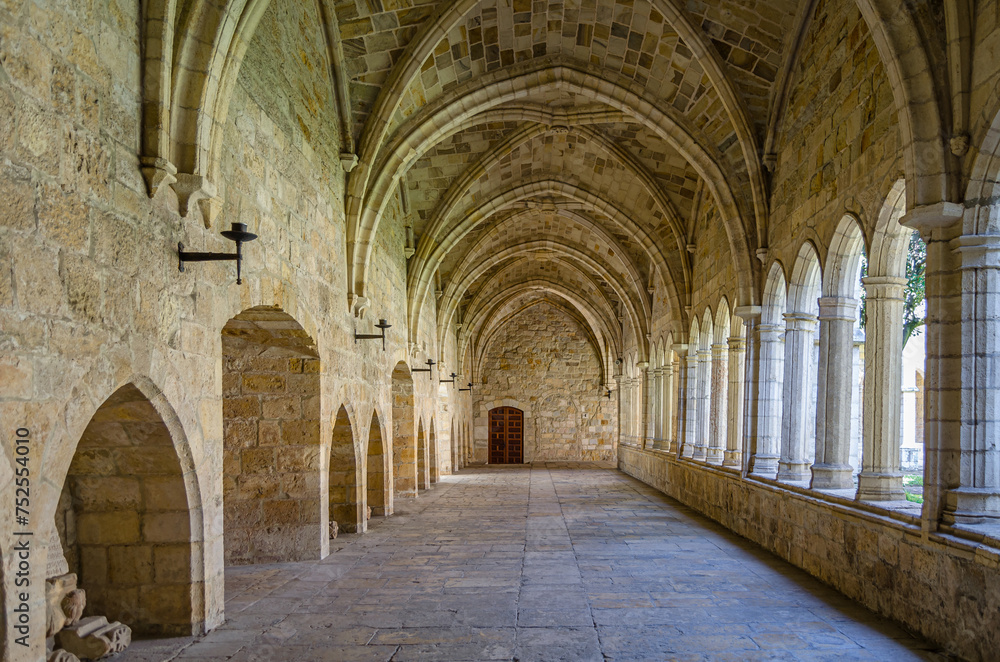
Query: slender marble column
646,401
734,409
880,478
678,397
800,330
703,411
657,411
977,499
719,416
832,469
690,402
769,392
667,394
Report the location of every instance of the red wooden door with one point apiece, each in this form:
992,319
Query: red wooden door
506,436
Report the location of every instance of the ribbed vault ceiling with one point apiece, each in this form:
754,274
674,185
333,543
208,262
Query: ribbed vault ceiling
557,151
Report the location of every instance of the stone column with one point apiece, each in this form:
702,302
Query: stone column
646,404
880,478
977,497
719,415
833,469
734,409
677,398
654,405
800,329
690,402
666,406
768,405
703,410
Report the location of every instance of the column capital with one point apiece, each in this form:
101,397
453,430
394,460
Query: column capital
748,312
642,365
883,287
770,328
977,251
838,308
719,347
680,347
926,218
737,343
799,321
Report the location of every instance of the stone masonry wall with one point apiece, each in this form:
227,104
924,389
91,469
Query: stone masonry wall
888,565
542,363
91,297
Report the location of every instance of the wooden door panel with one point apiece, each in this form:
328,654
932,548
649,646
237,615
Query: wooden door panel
506,436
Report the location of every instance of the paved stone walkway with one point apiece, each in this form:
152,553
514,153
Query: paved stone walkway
548,562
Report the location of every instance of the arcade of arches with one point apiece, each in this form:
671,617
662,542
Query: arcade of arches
650,226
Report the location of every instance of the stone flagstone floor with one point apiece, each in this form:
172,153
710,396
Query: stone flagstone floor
548,562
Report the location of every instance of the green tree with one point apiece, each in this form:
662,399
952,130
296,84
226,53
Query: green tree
913,292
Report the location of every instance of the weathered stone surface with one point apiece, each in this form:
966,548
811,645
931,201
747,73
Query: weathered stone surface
93,637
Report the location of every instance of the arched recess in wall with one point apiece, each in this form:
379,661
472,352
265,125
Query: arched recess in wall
128,520
423,475
345,488
378,489
432,453
271,439
404,440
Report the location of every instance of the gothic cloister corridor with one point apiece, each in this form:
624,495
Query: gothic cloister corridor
545,561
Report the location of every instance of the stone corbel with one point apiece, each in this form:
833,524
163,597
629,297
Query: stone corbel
158,172
359,305
926,218
348,161
197,188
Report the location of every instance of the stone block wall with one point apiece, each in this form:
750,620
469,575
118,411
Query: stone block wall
935,584
271,428
543,363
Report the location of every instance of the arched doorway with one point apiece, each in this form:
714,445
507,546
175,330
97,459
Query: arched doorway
404,445
271,439
124,520
506,435
345,497
377,487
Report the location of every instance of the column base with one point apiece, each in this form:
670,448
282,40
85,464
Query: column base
880,487
793,471
832,477
972,505
672,447
687,451
765,466
732,459
700,453
714,456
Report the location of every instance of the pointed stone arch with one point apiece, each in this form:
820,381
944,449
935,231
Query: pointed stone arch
129,516
377,475
423,474
344,487
433,459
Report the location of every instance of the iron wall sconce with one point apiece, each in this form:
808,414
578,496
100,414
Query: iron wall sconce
237,233
609,394
430,366
467,389
382,324
448,381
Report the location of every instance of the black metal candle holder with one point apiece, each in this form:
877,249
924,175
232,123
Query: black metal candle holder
382,324
238,233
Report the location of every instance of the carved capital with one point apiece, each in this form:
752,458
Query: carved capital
348,161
